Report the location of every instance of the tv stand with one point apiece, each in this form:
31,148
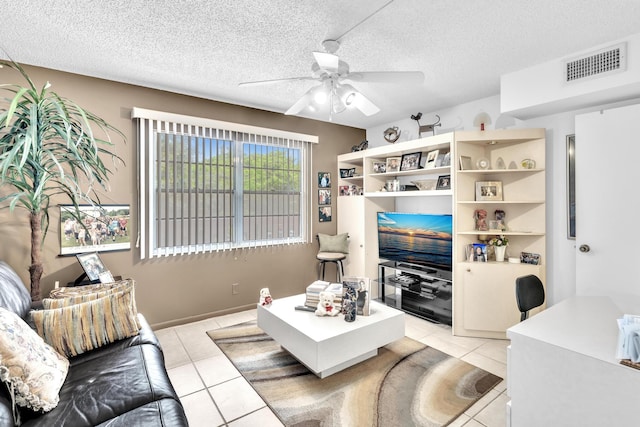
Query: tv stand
419,290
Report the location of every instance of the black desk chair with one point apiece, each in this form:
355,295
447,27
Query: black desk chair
529,294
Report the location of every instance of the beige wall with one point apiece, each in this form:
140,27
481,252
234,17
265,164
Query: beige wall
178,289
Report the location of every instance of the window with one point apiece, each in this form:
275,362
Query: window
207,185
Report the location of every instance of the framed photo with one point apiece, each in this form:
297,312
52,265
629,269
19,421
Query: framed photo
529,258
432,156
324,197
344,190
465,163
488,190
393,164
98,228
94,268
379,167
354,190
444,182
324,179
324,214
479,252
347,173
446,160
411,161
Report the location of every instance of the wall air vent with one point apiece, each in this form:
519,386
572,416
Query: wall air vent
595,64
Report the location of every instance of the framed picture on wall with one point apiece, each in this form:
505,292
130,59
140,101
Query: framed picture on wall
324,214
324,197
98,228
324,179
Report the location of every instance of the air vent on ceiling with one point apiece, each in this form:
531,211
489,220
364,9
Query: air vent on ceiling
609,60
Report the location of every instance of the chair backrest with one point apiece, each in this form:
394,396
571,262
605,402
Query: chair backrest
529,294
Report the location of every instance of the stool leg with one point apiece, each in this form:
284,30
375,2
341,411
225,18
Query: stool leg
322,263
339,270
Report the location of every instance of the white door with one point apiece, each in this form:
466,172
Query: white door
607,199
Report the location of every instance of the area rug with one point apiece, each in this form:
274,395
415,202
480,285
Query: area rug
406,384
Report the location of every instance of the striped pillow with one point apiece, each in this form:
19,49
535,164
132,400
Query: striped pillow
78,328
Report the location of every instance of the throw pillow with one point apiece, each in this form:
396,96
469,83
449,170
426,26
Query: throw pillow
338,243
33,371
78,328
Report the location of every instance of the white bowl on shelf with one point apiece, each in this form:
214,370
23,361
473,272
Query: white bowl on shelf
425,184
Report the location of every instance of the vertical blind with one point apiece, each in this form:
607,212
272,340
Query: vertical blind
207,185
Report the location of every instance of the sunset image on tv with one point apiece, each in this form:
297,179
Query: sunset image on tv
422,239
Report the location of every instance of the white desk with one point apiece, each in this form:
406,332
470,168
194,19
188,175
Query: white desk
562,369
327,345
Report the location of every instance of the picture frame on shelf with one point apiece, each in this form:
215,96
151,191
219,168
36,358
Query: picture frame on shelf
344,190
379,167
530,258
465,163
324,196
489,191
444,182
324,214
411,161
479,252
446,160
432,156
347,172
324,179
393,164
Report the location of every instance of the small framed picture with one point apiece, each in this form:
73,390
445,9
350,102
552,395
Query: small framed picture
465,163
411,161
94,267
444,182
529,258
324,179
324,214
479,252
354,190
379,167
446,160
324,197
393,164
432,156
344,190
347,173
488,190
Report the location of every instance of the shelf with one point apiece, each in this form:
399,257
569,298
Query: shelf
427,171
417,193
352,178
493,171
503,233
502,202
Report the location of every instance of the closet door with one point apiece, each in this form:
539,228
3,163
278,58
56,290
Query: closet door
607,193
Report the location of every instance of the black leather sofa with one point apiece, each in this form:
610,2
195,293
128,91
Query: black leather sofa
123,383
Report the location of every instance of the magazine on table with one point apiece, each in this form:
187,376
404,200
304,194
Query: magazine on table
363,289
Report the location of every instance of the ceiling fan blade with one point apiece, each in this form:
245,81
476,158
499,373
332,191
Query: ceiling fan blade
261,82
301,103
353,98
327,61
386,77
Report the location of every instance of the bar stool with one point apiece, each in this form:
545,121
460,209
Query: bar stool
333,249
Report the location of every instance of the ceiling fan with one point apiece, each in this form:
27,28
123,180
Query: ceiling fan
334,88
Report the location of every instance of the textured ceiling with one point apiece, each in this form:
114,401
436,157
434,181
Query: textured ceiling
206,47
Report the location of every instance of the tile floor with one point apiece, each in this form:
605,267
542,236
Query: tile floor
209,385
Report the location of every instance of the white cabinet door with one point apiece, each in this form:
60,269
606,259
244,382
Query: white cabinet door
351,221
607,179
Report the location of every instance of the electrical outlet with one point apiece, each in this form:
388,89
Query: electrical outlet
235,288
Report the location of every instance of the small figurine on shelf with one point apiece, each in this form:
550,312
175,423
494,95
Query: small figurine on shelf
265,297
480,216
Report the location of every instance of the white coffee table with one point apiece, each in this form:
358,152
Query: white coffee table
327,345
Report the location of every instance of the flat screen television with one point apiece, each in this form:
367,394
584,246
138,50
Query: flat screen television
416,238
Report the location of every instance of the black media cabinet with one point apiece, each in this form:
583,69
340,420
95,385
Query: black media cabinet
422,291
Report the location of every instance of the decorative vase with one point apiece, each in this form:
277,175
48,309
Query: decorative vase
500,250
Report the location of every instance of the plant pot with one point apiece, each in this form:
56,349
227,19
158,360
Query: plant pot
500,251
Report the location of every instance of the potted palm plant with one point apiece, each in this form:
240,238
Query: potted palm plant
48,150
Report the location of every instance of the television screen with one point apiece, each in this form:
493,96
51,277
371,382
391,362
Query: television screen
415,238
